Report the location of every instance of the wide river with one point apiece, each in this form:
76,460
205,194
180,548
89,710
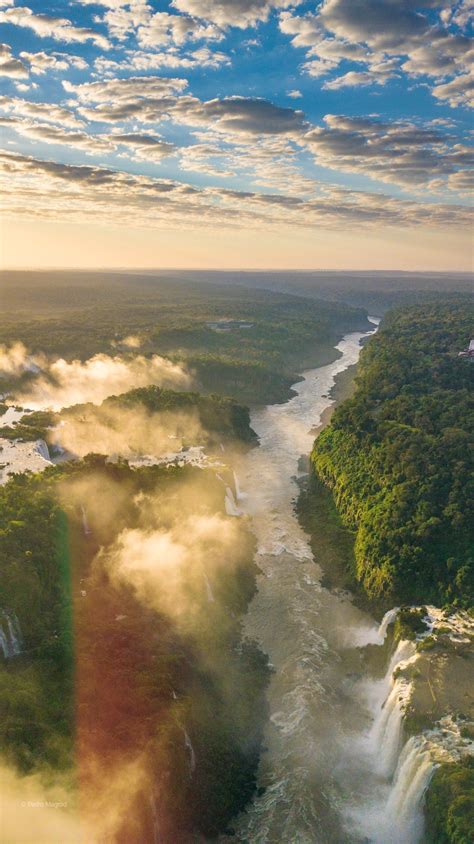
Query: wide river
309,769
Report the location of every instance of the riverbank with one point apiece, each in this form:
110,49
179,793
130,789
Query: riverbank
376,462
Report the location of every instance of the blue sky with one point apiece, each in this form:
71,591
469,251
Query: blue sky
341,115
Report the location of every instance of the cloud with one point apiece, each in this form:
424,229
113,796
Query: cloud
146,147
65,383
130,90
388,36
396,152
241,115
52,62
163,29
54,191
458,91
46,26
239,13
50,134
11,66
47,112
142,60
151,98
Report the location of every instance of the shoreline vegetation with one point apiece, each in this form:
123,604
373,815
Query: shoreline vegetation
412,364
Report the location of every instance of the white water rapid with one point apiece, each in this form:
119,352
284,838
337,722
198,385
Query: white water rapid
307,631
335,769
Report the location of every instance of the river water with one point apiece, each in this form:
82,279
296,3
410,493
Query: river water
311,769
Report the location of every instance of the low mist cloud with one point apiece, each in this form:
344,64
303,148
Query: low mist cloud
126,431
14,360
67,383
34,811
172,570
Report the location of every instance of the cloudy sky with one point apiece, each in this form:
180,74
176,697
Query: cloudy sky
236,133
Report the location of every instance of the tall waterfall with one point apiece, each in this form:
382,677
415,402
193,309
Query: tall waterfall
85,523
209,592
11,639
230,503
404,811
240,496
189,747
398,771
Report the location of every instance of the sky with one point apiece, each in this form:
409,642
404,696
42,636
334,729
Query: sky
236,134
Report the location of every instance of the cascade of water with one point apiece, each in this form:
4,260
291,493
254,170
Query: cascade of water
404,807
42,449
11,640
16,639
156,825
373,635
209,592
387,730
4,644
189,747
240,496
230,504
387,620
85,524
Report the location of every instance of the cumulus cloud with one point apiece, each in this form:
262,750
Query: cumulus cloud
52,190
241,115
46,26
163,29
130,90
387,36
46,112
398,152
42,62
66,383
239,13
171,57
11,66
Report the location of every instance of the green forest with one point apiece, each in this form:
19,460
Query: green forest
398,457
140,682
77,315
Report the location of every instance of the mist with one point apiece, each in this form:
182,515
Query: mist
125,431
62,383
15,360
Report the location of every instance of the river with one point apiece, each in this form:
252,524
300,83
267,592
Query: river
311,778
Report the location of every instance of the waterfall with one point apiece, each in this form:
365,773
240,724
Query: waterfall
387,731
11,639
230,504
4,644
360,637
189,747
156,825
240,496
42,449
387,620
404,810
210,594
85,523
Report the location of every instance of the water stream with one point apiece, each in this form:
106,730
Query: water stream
334,738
